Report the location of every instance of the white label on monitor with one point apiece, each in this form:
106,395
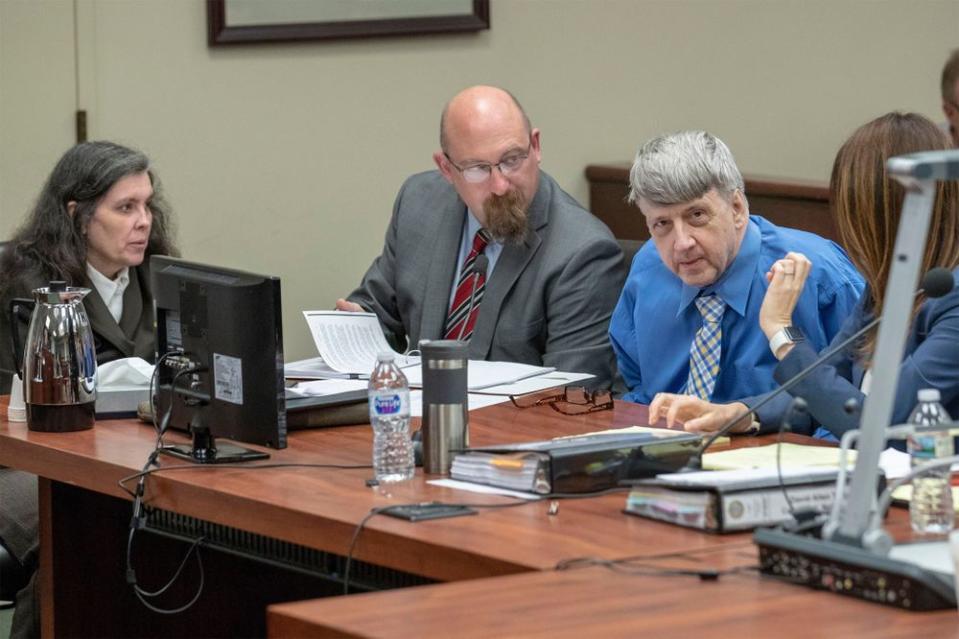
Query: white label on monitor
228,378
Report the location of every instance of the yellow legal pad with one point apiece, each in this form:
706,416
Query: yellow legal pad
793,455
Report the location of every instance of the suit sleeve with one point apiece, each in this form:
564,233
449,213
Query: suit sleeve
931,364
377,292
579,309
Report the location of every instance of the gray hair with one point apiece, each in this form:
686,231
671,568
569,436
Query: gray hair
684,166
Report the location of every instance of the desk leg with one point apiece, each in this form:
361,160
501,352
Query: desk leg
44,497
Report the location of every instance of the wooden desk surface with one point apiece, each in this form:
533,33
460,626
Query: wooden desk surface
320,508
599,602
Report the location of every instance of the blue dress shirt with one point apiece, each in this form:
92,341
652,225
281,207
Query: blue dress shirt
655,321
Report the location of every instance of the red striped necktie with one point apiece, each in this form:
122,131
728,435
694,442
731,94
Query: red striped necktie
458,325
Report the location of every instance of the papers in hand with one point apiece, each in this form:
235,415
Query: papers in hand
348,343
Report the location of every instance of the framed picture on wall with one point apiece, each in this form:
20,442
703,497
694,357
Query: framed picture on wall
243,21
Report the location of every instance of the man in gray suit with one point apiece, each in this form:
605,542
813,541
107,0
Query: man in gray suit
554,270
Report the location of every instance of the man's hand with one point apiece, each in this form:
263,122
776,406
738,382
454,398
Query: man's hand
695,415
352,307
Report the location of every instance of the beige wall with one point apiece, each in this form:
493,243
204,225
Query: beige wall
285,158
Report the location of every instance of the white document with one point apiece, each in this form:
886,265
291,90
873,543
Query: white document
757,476
554,379
314,368
473,402
482,488
482,375
348,343
322,387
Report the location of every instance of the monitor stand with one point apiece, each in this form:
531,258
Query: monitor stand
205,450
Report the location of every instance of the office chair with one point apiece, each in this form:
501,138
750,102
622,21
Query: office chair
629,248
13,577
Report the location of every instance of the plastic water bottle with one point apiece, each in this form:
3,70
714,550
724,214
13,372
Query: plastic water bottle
389,394
930,509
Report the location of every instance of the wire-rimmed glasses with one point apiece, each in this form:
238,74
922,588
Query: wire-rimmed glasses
574,400
479,173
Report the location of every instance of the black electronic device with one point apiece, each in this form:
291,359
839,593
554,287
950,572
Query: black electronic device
224,377
422,512
852,571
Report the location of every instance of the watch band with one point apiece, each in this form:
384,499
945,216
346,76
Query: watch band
785,335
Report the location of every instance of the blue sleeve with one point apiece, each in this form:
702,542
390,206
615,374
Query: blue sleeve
622,335
838,303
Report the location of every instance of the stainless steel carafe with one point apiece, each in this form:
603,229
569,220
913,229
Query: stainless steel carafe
59,361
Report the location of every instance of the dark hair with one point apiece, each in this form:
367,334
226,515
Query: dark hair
950,74
51,242
867,203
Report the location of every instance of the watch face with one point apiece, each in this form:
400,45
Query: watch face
794,334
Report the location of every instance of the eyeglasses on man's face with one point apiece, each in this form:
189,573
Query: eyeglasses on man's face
574,400
479,173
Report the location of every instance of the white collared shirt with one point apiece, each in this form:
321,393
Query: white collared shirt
111,291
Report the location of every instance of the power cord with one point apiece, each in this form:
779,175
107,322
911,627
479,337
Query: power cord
636,568
520,501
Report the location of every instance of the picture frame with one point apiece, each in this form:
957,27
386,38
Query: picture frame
232,22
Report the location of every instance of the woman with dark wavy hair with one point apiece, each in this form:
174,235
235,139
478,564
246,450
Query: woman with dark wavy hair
96,222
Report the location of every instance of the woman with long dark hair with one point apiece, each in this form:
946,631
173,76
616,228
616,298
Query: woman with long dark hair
97,220
95,224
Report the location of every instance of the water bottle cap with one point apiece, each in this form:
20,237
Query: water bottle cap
385,356
929,395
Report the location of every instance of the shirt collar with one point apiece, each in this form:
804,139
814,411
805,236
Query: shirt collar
104,285
472,226
733,285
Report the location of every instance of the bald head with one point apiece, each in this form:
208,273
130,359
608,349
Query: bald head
480,111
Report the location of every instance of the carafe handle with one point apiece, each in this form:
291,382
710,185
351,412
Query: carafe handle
19,306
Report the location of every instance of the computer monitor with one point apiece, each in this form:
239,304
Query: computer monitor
219,341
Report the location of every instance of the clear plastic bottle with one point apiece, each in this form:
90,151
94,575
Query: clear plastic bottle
389,394
930,509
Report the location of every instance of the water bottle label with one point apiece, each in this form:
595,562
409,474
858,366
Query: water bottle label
389,404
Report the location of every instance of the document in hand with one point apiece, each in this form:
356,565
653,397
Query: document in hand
576,464
348,344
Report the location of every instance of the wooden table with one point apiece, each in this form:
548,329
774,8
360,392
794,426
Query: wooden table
84,519
600,602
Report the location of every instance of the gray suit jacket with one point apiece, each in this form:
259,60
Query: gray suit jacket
547,302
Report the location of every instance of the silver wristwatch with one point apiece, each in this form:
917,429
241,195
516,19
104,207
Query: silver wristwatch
785,335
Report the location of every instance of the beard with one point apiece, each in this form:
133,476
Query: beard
506,216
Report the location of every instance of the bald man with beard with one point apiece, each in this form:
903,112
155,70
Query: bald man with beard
554,270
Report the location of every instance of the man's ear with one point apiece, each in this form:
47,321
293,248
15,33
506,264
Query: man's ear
740,209
71,208
443,165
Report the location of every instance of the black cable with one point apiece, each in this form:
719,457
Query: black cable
520,501
631,566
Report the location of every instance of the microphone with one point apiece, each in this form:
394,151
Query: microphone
936,283
480,264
